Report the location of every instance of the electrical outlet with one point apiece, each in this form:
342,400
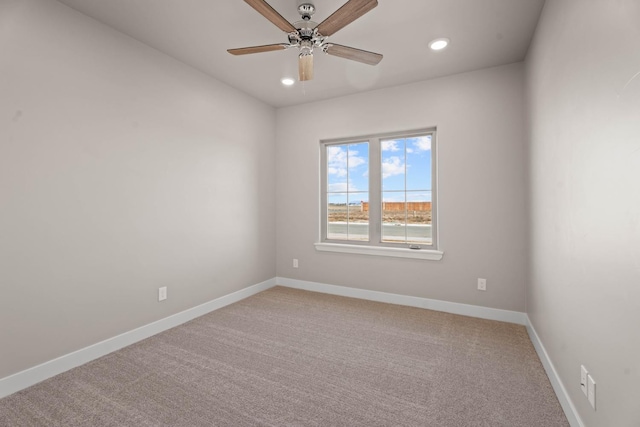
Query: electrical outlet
482,284
162,293
583,379
591,391
295,263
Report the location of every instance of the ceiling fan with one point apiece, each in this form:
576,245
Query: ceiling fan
306,35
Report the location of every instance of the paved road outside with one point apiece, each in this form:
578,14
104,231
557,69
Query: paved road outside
359,231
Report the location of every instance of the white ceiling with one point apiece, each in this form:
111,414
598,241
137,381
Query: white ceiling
483,33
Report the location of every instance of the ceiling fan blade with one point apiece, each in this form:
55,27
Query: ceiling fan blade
257,49
271,14
349,12
354,54
305,67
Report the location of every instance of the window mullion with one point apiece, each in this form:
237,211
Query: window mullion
348,193
324,191
406,218
375,192
434,190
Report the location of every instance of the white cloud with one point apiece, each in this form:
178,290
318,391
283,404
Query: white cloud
355,160
338,187
337,171
390,145
337,160
392,166
423,143
342,187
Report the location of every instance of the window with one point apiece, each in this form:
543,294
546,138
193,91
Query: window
379,195
347,192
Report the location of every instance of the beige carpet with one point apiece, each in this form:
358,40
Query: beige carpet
287,357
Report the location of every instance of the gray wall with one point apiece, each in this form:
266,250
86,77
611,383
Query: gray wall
115,161
584,295
482,178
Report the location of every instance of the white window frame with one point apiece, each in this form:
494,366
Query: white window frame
375,245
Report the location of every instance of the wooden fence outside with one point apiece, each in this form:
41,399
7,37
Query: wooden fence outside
400,206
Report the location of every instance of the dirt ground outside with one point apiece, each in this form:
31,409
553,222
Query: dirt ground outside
355,213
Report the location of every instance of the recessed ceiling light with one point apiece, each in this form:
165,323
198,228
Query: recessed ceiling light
287,81
439,44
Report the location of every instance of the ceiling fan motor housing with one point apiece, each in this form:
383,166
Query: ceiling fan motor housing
306,32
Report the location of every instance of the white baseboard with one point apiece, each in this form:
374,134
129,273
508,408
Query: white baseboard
31,376
431,304
565,401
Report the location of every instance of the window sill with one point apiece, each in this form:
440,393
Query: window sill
427,254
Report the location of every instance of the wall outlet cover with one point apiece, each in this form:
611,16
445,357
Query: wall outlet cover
583,379
162,293
591,391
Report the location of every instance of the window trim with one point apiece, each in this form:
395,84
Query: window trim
348,248
375,246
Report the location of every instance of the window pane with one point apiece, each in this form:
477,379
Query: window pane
358,161
348,216
406,221
336,168
337,216
394,216
393,164
358,227
348,167
406,190
419,217
347,191
419,163
419,207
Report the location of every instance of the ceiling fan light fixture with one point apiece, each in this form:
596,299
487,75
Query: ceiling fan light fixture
439,44
305,67
287,81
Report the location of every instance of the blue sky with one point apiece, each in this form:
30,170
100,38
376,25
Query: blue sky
402,159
